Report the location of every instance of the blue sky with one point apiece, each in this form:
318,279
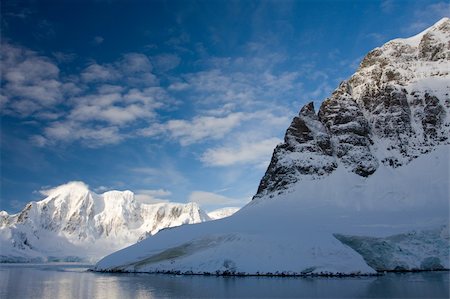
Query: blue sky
174,100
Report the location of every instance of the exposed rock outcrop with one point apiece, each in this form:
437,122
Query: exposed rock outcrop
393,109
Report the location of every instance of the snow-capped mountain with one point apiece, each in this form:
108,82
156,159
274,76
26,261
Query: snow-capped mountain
222,213
74,223
361,186
392,110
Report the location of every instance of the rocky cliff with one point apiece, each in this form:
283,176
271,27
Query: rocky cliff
392,110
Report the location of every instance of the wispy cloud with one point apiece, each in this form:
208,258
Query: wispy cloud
427,16
132,68
98,40
64,57
166,174
31,82
203,127
107,103
387,6
94,108
152,196
376,37
216,124
166,62
100,73
257,153
90,136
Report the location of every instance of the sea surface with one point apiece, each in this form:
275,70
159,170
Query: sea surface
75,281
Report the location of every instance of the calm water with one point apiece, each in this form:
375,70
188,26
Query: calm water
73,281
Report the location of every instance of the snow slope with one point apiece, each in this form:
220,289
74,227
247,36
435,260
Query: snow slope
74,224
361,186
222,213
293,234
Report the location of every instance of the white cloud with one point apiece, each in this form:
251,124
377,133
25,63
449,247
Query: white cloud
179,86
109,89
110,102
154,130
166,62
246,153
284,81
90,136
117,115
115,106
38,140
151,97
96,113
133,68
100,73
152,196
31,83
133,63
220,123
203,127
47,191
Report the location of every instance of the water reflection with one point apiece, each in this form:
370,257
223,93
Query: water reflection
72,281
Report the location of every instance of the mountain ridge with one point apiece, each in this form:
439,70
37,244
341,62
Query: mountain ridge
388,113
86,225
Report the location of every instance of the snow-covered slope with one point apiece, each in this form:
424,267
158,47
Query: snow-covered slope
294,232
73,223
222,213
361,186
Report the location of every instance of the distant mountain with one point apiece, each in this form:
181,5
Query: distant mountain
361,186
222,213
74,223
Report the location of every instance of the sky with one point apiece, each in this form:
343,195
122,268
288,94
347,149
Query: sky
174,100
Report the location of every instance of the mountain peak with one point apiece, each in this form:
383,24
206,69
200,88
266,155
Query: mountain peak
394,108
440,28
74,187
80,222
308,110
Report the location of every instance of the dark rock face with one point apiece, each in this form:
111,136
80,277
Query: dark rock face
389,116
306,150
389,113
350,131
430,48
433,118
392,110
343,132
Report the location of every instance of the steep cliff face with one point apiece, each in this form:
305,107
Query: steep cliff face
306,151
393,109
